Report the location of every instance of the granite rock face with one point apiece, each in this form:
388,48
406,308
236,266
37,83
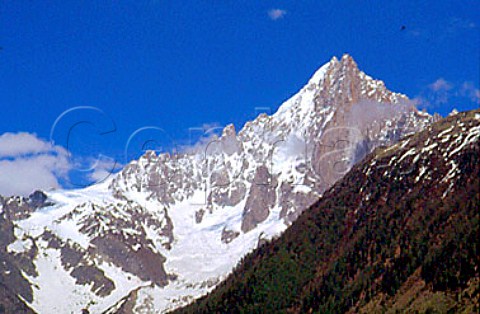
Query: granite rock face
261,198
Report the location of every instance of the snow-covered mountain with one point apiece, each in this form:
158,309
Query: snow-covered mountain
397,234
168,228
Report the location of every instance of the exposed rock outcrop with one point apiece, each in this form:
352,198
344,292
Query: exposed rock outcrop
261,198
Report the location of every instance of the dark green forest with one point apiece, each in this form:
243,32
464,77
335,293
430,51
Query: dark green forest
411,247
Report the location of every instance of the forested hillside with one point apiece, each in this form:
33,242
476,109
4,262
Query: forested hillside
399,233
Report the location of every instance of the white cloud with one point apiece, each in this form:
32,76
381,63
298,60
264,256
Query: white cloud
211,127
438,93
457,24
440,85
276,14
442,92
468,90
28,163
16,144
201,136
102,169
441,31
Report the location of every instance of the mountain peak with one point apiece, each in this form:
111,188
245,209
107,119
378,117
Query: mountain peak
347,57
344,66
164,217
334,60
345,60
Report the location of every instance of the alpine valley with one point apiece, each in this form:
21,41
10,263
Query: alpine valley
346,186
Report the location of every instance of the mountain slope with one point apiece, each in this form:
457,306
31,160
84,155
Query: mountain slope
398,233
14,289
169,227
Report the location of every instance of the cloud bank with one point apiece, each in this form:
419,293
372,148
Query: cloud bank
28,163
441,92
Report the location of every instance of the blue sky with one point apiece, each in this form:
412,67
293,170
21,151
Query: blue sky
181,64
